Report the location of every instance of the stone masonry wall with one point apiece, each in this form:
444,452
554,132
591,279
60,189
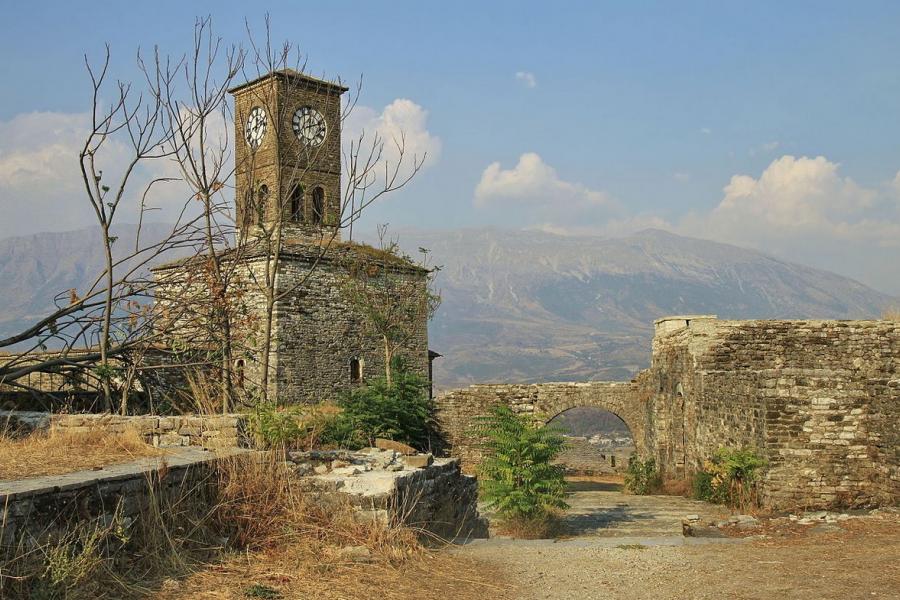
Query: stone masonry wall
457,410
819,399
320,331
225,431
316,329
33,511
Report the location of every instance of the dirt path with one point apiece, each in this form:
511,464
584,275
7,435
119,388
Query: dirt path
630,548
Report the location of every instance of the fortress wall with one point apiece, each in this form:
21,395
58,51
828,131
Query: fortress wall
819,399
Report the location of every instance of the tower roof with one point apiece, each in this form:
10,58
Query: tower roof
294,77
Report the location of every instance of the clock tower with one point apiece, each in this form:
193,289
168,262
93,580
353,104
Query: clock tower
288,157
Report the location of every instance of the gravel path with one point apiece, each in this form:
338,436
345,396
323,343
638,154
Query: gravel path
627,557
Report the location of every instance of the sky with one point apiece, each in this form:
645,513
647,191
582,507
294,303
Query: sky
770,125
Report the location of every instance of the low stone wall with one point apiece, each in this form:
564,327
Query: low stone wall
40,509
580,457
223,431
383,486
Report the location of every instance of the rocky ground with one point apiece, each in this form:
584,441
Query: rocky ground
631,548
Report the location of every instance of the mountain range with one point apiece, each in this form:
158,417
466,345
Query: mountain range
524,305
531,306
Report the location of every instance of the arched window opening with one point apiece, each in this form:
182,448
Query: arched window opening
239,373
356,370
262,199
318,206
679,391
599,443
297,204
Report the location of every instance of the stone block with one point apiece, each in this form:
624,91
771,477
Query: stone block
418,461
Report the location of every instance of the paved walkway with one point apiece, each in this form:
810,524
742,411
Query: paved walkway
603,510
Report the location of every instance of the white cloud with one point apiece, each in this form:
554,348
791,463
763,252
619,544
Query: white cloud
681,177
41,187
705,130
527,78
805,210
532,182
401,123
533,194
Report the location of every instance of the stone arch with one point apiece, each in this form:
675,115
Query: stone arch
458,410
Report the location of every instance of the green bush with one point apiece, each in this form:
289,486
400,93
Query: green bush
729,477
400,411
642,477
516,474
276,427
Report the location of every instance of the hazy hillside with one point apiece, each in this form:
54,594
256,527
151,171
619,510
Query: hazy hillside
36,268
530,306
524,305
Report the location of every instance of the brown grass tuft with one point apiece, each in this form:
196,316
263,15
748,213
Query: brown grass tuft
57,452
541,527
891,314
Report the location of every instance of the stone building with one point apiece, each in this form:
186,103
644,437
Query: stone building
289,212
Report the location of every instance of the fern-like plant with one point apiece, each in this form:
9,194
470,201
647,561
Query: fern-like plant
517,476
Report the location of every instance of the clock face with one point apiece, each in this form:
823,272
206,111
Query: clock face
256,127
309,126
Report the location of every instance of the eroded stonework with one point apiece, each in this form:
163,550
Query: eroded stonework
820,400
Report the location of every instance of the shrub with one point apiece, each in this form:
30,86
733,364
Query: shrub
275,427
729,477
290,426
400,410
642,477
517,477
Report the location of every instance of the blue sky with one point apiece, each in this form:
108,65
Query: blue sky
770,124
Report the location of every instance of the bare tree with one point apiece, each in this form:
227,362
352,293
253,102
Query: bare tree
103,334
395,303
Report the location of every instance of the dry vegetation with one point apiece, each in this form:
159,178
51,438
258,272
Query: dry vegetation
891,314
57,452
248,533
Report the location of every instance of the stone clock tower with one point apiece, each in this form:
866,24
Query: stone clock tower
288,156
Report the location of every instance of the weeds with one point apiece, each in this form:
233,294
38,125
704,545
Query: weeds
518,477
642,476
729,477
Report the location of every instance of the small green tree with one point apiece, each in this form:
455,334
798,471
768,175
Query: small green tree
642,477
399,409
518,478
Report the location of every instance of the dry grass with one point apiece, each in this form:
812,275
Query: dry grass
292,548
300,573
60,452
542,527
250,532
891,314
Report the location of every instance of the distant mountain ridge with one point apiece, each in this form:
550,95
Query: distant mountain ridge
533,306
524,305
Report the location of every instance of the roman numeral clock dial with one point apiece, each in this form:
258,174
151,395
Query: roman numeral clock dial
309,126
256,127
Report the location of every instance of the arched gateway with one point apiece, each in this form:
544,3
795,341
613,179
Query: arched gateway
457,410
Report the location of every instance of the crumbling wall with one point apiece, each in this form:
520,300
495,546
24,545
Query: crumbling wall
35,510
818,399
